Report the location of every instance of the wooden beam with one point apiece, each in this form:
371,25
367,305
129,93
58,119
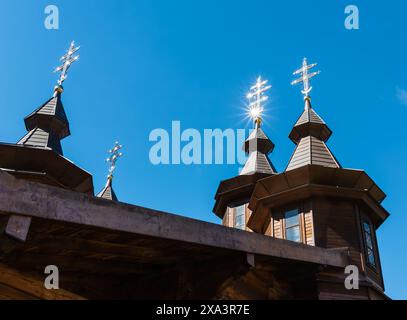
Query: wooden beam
13,282
262,206
70,263
85,248
27,198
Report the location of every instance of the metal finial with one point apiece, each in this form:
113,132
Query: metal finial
305,77
67,61
114,156
256,98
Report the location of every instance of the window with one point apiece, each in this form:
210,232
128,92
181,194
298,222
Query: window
292,225
367,231
240,217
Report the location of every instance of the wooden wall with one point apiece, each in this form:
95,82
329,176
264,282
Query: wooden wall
276,225
332,223
337,225
228,219
373,273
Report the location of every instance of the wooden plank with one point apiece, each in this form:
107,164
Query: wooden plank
32,199
9,293
309,227
30,286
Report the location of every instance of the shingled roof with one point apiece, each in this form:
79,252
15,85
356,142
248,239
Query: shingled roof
309,115
258,145
47,125
310,134
108,192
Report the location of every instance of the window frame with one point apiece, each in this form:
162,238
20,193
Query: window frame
232,210
300,224
367,248
235,209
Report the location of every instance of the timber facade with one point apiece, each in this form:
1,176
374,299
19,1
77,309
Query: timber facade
314,202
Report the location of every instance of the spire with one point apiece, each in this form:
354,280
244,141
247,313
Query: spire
48,124
258,145
310,132
108,192
310,124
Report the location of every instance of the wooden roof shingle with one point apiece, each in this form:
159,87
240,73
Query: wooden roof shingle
39,138
310,150
108,192
258,145
310,134
310,124
47,125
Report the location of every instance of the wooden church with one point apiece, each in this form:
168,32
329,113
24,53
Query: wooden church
287,235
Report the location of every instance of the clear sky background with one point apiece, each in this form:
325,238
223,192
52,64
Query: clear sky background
146,63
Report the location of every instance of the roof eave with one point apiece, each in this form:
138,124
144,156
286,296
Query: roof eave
311,180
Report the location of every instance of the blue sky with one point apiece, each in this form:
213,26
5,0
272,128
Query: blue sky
145,64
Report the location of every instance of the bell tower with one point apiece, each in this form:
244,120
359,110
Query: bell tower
319,203
233,195
316,202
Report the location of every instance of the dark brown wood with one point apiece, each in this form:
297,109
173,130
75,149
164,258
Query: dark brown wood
16,285
106,249
45,166
47,202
